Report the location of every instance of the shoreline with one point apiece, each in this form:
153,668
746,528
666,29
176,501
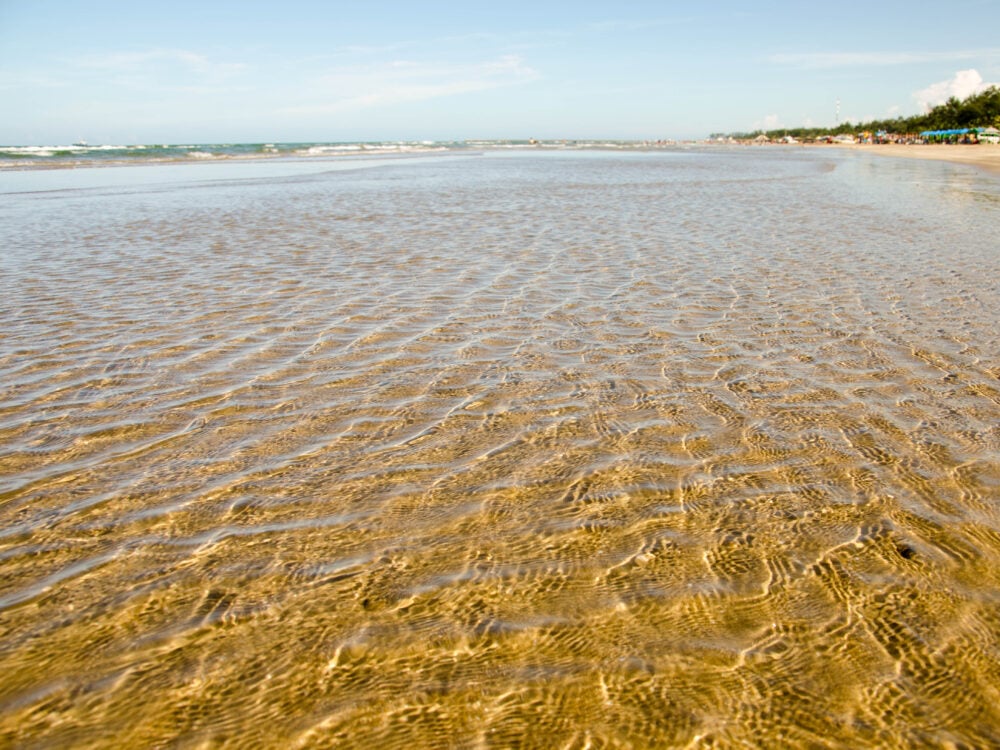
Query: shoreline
985,156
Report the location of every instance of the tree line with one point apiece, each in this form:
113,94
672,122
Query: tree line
976,111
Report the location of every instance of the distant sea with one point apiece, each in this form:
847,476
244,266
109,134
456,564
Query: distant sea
87,154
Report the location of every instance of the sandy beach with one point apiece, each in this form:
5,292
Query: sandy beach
983,155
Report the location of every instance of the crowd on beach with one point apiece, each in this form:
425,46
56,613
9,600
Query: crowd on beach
972,121
965,136
955,136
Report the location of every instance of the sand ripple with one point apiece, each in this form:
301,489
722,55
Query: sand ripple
556,451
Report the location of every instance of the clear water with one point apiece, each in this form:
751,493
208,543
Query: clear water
557,449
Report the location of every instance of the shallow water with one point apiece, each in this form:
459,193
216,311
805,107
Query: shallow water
668,449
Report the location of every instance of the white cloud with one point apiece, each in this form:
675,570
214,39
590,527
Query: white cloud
362,86
770,122
963,84
876,59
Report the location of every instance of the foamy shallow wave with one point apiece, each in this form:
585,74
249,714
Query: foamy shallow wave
332,149
74,147
354,148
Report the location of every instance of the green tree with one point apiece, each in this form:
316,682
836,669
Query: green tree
978,110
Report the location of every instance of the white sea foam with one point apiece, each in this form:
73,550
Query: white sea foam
75,148
33,150
340,148
373,148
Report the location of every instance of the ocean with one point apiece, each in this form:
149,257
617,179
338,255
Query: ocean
83,154
489,445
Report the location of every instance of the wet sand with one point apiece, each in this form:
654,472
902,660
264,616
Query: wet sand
984,155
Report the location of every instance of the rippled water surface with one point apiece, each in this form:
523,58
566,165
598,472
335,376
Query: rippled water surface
675,449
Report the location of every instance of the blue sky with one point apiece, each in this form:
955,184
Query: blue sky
134,72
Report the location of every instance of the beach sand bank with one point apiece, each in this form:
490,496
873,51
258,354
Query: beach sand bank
983,155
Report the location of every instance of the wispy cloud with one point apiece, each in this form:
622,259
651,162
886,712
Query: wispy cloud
876,59
151,60
20,80
632,24
360,87
500,42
